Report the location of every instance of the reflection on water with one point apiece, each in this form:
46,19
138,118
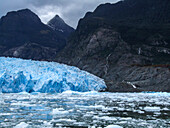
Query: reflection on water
71,109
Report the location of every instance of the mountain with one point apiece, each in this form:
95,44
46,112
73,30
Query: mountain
22,34
58,24
126,43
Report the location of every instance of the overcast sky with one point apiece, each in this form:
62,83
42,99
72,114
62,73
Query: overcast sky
70,10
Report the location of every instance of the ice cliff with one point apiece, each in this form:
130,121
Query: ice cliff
18,75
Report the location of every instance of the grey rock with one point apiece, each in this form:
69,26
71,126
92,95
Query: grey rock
105,54
31,51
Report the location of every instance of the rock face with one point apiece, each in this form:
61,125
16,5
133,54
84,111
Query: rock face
32,51
58,24
22,34
126,43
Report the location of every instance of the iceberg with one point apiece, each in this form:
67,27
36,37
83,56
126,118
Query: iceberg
18,75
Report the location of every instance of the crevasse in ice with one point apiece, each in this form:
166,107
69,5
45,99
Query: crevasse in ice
18,75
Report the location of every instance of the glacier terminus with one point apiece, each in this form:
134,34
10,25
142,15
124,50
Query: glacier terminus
18,75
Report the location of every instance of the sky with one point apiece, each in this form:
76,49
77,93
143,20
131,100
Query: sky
70,10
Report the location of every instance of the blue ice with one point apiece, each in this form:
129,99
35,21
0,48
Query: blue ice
18,75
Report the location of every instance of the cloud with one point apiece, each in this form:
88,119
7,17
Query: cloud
70,10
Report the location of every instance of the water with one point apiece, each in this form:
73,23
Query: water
92,109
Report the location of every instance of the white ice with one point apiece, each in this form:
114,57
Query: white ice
22,125
152,109
113,126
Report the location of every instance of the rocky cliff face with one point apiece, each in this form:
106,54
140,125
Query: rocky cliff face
22,34
126,43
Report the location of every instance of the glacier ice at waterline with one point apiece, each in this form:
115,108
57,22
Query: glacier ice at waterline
18,75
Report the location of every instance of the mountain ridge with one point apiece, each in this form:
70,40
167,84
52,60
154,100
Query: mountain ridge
119,44
22,32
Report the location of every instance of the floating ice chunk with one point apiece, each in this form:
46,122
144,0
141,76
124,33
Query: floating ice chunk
113,126
47,123
122,122
66,120
121,109
58,111
21,104
24,93
165,109
157,113
4,114
152,109
107,118
97,107
139,111
80,123
18,75
127,118
22,125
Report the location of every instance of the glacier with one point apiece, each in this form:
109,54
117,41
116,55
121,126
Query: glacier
18,75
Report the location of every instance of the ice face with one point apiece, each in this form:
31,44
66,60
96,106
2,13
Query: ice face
18,75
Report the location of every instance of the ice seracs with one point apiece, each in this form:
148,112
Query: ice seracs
18,75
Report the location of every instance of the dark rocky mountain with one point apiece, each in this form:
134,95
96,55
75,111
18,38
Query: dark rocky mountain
127,44
22,34
58,24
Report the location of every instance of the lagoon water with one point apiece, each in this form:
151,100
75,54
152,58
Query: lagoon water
90,109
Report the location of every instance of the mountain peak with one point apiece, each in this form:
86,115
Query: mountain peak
25,10
58,19
22,11
18,28
24,15
57,16
58,24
